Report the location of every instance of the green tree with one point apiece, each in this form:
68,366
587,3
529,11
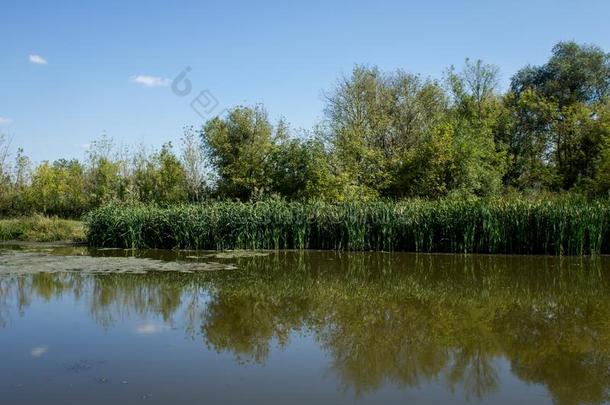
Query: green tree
373,120
479,164
171,186
428,170
194,164
581,135
554,140
104,180
5,180
58,188
528,138
601,179
160,178
458,153
301,170
575,73
20,186
239,148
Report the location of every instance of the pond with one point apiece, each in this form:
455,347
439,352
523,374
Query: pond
99,326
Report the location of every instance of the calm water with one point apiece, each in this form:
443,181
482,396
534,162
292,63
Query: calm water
81,326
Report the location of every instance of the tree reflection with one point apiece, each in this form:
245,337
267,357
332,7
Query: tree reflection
383,319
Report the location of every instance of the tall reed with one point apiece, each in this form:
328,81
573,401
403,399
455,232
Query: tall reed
568,226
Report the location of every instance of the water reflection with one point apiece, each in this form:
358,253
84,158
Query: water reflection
382,319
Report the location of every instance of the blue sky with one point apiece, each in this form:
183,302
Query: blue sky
109,64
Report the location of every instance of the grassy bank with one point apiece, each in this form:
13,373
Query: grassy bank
41,229
552,226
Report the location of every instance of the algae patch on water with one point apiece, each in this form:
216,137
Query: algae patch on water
29,262
241,254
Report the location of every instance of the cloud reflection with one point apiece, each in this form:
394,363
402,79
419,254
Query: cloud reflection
39,351
149,328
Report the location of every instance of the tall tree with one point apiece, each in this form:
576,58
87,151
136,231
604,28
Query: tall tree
239,148
374,119
473,116
104,181
59,188
4,157
555,106
574,73
301,170
194,164
160,177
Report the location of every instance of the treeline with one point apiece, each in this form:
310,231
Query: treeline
69,188
385,135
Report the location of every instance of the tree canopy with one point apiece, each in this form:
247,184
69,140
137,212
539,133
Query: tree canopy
383,135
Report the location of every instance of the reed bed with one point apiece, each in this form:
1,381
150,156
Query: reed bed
559,226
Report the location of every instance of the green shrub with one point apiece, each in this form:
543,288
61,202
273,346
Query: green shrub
41,229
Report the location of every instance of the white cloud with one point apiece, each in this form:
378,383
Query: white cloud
6,121
150,81
39,351
37,60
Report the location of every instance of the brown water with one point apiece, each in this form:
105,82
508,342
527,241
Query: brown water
81,326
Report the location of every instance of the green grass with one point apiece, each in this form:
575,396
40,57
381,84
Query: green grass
567,226
41,229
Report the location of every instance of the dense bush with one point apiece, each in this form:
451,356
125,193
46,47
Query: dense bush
551,226
41,229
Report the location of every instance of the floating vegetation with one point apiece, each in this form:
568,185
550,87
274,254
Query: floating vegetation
28,262
236,254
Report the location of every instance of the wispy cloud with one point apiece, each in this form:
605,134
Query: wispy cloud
5,121
150,81
39,351
37,60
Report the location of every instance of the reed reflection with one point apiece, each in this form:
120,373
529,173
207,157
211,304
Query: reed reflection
396,319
